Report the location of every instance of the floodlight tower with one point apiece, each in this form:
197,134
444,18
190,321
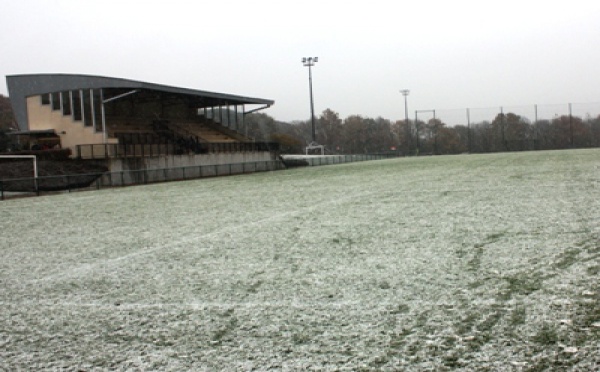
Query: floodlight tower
406,125
310,62
405,94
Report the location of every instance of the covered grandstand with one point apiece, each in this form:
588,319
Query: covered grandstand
109,118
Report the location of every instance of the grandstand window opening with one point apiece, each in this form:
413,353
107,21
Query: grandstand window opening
55,99
86,105
97,109
76,105
65,97
45,99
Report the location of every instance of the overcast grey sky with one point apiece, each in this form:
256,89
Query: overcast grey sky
450,54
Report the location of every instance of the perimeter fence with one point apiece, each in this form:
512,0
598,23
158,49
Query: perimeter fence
318,160
136,150
95,181
528,113
503,128
31,186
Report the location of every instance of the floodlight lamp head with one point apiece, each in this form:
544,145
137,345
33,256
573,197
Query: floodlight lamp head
310,61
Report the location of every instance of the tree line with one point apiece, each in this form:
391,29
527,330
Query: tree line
362,135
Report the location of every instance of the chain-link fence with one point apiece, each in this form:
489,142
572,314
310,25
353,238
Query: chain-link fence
507,128
528,113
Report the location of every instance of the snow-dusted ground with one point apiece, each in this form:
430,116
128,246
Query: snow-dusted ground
478,262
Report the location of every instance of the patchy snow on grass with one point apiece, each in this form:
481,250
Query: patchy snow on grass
478,262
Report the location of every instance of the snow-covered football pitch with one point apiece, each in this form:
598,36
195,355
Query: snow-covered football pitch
471,262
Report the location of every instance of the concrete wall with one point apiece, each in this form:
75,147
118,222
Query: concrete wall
177,161
42,117
174,174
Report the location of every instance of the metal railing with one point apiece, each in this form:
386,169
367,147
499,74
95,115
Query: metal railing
112,150
317,160
95,181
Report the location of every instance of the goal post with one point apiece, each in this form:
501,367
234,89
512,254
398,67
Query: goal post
313,146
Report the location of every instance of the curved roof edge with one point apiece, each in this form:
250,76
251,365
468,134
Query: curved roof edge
22,86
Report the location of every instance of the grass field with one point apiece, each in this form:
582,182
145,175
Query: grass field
474,262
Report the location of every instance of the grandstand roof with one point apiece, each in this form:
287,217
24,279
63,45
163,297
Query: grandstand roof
22,86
